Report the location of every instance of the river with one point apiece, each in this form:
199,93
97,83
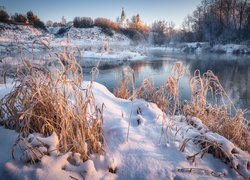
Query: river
232,71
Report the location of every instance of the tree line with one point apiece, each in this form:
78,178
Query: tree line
214,21
219,21
136,30
24,19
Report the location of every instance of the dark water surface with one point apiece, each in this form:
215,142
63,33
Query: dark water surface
233,72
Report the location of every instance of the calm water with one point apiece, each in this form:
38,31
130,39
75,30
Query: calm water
233,72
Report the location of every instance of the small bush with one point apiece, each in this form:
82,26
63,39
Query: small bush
123,90
133,34
19,18
106,23
83,22
107,31
4,16
31,17
39,24
63,30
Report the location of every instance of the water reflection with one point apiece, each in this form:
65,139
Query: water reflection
234,74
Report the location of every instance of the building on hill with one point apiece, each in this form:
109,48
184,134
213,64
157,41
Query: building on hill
123,20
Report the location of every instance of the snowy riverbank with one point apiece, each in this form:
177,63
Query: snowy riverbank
93,44
154,148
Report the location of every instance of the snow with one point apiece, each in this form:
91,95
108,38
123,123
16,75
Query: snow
151,152
231,48
202,47
52,142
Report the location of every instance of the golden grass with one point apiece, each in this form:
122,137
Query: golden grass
158,96
47,101
166,96
123,90
222,117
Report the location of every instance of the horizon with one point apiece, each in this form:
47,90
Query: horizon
149,11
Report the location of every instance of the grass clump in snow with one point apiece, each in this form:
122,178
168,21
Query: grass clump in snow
53,101
219,116
222,149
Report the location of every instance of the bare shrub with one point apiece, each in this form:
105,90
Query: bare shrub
19,18
83,22
4,16
106,23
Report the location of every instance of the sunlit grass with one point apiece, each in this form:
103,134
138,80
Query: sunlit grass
46,101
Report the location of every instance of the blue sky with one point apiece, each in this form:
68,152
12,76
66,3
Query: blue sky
149,10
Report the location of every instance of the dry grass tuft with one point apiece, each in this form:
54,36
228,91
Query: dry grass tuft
232,156
222,117
123,90
47,101
158,96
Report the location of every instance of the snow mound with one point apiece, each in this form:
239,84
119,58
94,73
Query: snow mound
95,34
18,33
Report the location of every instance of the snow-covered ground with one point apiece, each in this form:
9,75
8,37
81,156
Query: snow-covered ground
203,47
154,150
91,42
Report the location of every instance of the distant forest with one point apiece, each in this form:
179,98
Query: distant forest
219,20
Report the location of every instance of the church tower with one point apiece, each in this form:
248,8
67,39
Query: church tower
123,20
123,15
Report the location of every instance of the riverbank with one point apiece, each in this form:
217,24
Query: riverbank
92,43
